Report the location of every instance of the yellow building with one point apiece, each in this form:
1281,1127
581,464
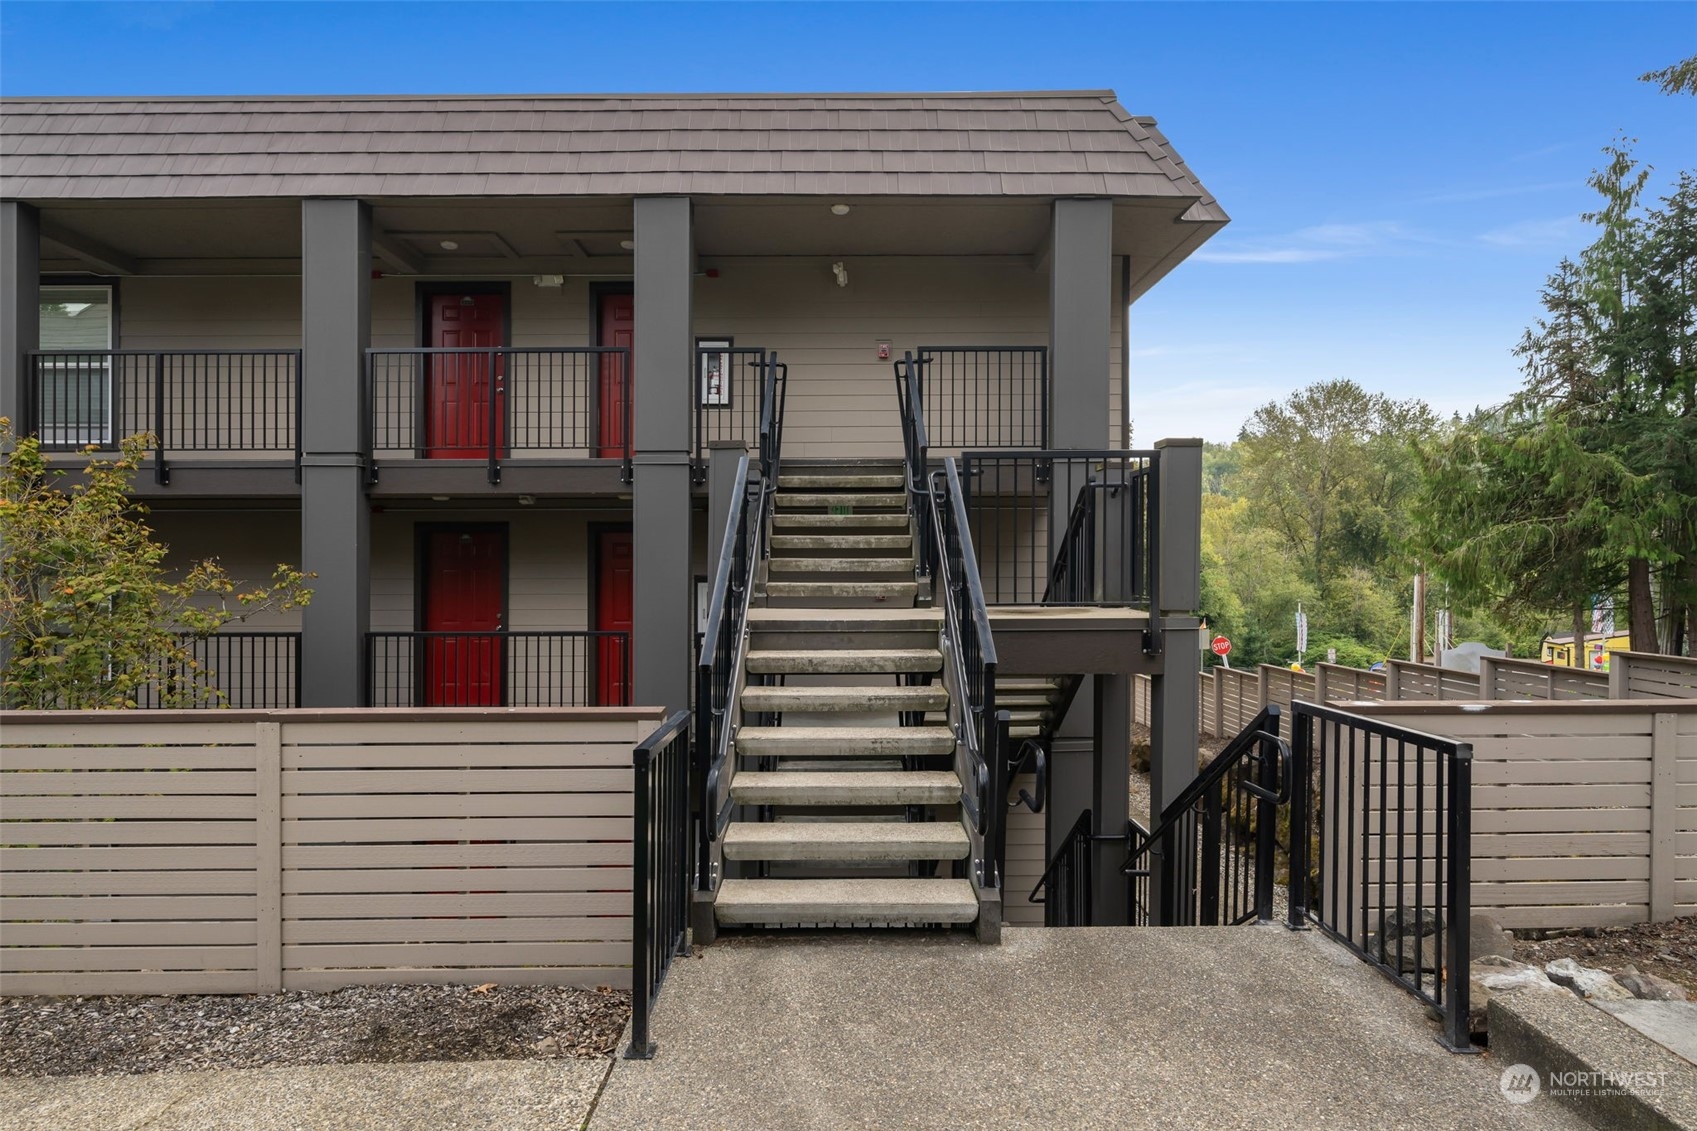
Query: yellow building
1558,650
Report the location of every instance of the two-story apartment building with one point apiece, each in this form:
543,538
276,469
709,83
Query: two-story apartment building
466,358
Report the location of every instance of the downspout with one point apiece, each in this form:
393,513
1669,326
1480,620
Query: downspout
1125,351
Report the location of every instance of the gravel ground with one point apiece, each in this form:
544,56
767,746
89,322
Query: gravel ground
115,1036
1667,950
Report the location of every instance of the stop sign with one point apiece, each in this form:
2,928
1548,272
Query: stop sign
1222,646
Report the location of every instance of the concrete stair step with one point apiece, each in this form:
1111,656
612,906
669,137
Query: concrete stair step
1010,699
845,742
838,521
839,765
896,901
843,787
841,542
800,500
845,620
1024,731
889,590
851,478
847,661
855,841
841,565
839,699
1024,683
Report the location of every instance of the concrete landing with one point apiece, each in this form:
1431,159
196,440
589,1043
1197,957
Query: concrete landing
1245,1027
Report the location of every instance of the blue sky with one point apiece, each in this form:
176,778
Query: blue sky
1401,176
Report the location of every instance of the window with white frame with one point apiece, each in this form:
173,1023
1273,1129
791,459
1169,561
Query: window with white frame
74,394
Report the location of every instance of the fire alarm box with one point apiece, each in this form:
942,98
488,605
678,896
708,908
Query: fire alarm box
883,351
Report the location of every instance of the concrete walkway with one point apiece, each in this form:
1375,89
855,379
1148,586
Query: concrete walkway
1102,1028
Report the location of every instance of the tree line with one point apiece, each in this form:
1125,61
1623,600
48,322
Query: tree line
1579,490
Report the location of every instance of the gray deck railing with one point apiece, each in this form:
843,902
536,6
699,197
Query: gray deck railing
497,404
229,402
498,669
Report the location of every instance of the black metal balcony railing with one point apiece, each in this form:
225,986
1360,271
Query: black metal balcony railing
256,671
1065,527
498,669
192,401
498,404
729,396
985,396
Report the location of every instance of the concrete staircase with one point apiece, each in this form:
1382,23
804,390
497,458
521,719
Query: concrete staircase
845,817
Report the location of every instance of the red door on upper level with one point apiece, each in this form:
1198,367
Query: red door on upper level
617,328
465,398
464,599
614,588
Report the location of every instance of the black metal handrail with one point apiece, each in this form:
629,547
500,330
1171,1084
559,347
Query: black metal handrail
723,649
200,401
984,396
521,668
1103,549
498,403
776,384
660,887
1216,843
916,460
730,396
1381,851
980,753
1066,886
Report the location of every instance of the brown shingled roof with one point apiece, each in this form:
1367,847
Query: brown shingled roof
1060,143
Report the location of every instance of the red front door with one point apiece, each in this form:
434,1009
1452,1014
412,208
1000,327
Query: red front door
466,398
613,590
618,328
464,582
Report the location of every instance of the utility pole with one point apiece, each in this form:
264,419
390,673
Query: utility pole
1417,623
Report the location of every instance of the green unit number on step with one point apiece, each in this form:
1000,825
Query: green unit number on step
840,508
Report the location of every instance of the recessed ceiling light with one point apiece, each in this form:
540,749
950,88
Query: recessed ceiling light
450,245
628,245
839,210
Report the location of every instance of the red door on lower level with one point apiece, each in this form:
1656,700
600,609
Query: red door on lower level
614,591
464,600
617,385
467,405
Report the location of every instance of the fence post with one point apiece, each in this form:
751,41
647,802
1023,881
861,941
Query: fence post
1664,813
1487,677
1393,681
1262,687
268,846
1620,676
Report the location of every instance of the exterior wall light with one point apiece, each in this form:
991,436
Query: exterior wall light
840,210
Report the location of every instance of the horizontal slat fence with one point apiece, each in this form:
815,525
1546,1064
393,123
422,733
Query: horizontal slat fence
163,853
1501,678
1645,675
1584,814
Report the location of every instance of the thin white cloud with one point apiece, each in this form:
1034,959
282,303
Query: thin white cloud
1315,244
1535,235
1464,196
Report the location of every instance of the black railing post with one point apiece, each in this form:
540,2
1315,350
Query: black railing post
1458,912
641,1045
1208,914
1266,818
1300,837
161,472
300,384
492,426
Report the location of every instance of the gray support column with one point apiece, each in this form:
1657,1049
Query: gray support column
1173,691
1081,294
1110,901
662,401
335,517
723,459
20,305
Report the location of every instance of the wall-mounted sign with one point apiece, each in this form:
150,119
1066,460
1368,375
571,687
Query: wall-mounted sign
715,371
